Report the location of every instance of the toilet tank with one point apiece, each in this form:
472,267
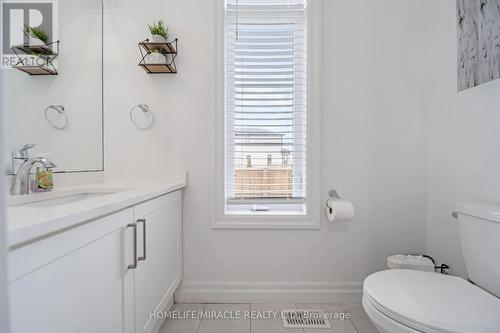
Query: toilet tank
479,226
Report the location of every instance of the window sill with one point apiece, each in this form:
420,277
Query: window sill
267,222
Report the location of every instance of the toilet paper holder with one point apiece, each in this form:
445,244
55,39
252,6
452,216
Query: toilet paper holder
333,196
337,209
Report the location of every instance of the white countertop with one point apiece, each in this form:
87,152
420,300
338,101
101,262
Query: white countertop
25,224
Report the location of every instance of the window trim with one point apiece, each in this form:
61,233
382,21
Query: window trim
312,218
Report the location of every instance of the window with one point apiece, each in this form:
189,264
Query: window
265,107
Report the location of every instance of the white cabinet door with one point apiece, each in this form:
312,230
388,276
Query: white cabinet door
159,274
73,282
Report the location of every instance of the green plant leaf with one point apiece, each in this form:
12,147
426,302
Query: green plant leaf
36,33
159,28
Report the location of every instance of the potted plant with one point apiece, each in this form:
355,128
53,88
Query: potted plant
37,36
156,56
159,32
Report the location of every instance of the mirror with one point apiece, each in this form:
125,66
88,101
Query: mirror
61,114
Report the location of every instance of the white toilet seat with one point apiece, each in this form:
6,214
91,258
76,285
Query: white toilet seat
417,301
383,323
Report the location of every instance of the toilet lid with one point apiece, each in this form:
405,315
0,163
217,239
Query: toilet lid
431,302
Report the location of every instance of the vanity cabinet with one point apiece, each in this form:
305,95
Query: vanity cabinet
70,282
159,269
85,279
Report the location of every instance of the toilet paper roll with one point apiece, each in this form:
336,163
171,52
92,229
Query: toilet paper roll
339,210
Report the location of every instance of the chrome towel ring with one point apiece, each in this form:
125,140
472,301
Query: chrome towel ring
142,116
58,112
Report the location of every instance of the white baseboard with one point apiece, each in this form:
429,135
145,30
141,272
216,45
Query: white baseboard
166,303
269,292
159,323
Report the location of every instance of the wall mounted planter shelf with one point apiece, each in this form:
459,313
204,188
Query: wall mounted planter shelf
168,49
43,52
31,49
36,70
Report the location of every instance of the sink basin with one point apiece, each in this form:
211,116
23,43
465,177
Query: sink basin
57,198
63,200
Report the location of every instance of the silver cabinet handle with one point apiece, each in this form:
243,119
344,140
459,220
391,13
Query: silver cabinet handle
134,226
143,221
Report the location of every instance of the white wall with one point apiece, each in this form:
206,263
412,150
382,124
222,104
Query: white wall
464,141
182,103
374,141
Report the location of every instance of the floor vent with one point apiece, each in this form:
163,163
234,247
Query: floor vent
304,319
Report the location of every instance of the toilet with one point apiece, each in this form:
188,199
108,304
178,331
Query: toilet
404,300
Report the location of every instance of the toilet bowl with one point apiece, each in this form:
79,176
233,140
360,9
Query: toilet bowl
404,300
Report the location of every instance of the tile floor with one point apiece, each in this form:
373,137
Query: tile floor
358,322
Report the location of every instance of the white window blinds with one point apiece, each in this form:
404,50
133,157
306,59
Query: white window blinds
265,104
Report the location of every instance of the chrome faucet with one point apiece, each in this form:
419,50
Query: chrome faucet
20,156
21,183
